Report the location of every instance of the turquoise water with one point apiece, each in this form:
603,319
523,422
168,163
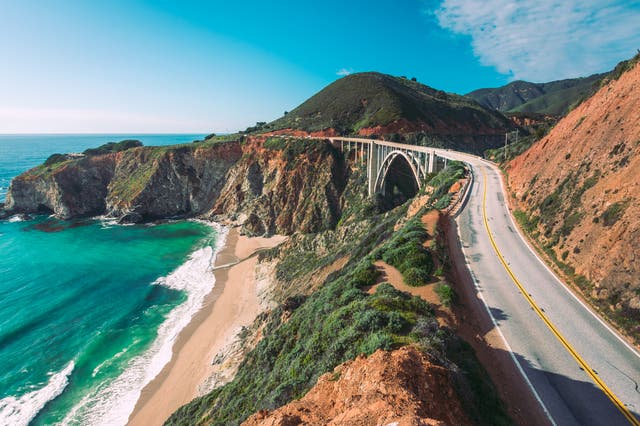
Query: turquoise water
89,310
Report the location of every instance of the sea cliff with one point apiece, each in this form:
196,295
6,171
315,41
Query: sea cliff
268,185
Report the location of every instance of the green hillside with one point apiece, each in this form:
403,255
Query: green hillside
553,98
366,100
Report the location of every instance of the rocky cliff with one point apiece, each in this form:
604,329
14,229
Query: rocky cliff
270,186
580,189
138,184
280,186
400,387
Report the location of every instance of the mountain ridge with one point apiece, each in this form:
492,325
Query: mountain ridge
553,98
396,108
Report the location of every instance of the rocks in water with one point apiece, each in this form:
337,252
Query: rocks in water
131,217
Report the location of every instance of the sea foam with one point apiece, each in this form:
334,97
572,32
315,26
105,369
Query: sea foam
21,410
113,403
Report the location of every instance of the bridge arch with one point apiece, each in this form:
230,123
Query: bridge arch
399,170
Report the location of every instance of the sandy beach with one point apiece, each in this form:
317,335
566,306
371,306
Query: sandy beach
232,304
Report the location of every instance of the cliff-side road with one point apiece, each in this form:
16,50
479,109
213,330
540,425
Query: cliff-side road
579,369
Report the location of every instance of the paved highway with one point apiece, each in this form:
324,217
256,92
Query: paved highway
579,369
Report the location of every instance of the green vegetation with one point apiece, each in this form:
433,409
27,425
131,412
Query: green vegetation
553,98
113,147
446,293
366,100
621,68
565,200
55,158
405,251
307,336
213,138
513,149
443,202
128,186
527,223
613,213
293,354
442,183
626,317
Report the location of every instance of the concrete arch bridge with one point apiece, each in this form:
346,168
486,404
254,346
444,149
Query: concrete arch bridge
392,164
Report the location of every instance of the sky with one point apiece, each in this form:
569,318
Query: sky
136,66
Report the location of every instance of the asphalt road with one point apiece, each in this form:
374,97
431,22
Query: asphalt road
535,313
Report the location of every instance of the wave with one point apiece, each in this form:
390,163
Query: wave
17,218
21,410
112,403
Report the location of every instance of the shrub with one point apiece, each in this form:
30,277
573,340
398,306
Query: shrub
415,277
405,251
443,202
614,212
446,294
113,147
54,159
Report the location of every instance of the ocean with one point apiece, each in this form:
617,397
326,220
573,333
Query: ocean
89,310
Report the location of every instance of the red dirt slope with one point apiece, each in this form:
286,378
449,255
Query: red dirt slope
400,387
580,186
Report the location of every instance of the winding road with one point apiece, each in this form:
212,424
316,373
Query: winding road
580,371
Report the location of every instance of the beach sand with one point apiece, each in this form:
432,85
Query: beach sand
232,304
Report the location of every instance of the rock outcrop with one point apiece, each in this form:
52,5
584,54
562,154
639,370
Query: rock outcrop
291,185
400,387
580,186
284,189
135,185
70,189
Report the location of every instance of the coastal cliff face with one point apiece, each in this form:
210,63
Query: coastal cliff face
135,185
579,189
269,186
282,186
68,189
159,182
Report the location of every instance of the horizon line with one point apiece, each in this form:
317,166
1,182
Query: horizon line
110,133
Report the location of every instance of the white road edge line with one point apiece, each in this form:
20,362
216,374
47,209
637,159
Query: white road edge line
494,168
558,280
495,324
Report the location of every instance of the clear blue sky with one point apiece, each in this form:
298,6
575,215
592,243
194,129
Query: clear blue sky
200,66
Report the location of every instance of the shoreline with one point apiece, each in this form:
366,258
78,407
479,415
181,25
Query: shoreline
232,304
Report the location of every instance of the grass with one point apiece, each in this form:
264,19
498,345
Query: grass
365,100
442,183
339,321
553,98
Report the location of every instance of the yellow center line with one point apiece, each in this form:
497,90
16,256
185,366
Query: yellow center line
583,364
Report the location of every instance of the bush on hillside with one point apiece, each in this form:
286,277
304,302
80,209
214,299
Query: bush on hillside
110,147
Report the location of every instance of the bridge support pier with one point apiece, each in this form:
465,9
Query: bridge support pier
432,162
372,168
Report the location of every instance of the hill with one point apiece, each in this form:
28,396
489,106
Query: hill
579,189
395,107
553,98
